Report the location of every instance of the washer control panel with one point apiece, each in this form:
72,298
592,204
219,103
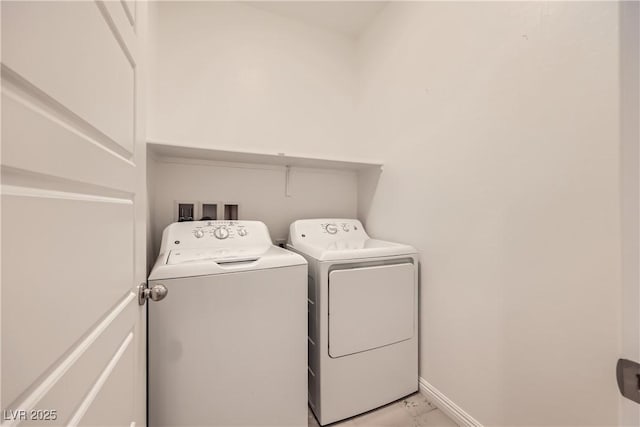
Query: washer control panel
220,230
216,234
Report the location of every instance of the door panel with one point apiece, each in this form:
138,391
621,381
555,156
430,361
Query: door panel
98,358
129,7
114,401
41,143
68,52
63,246
117,18
370,307
73,213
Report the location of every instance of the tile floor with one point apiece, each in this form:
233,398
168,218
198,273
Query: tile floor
412,411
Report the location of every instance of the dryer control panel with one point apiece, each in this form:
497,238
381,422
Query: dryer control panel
322,231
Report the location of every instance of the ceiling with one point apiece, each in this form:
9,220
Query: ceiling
347,17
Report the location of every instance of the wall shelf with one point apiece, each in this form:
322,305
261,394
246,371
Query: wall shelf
166,150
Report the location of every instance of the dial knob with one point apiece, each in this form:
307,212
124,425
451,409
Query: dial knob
221,233
198,233
242,232
332,229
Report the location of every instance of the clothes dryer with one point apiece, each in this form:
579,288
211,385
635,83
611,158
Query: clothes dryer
362,317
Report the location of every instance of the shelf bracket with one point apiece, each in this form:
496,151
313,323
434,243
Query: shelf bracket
287,177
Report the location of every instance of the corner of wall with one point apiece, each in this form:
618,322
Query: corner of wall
367,185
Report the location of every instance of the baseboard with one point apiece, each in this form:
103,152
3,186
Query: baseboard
447,406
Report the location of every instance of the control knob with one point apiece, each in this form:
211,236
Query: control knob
198,233
332,228
242,232
221,233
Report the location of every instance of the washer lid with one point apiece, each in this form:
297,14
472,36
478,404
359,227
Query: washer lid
191,263
338,239
219,255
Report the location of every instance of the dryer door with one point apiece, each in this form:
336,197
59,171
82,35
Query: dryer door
370,307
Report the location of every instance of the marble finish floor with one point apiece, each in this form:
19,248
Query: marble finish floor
412,411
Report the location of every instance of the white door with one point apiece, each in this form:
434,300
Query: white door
73,214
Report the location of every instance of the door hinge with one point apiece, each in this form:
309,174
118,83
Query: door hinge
628,376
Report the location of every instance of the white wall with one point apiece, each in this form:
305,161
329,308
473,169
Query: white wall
233,76
153,237
630,152
258,190
498,126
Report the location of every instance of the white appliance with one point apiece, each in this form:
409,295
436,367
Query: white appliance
227,346
363,317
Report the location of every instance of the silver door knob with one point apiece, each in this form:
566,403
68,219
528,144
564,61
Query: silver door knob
156,293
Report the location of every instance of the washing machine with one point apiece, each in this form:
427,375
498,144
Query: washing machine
362,317
228,344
